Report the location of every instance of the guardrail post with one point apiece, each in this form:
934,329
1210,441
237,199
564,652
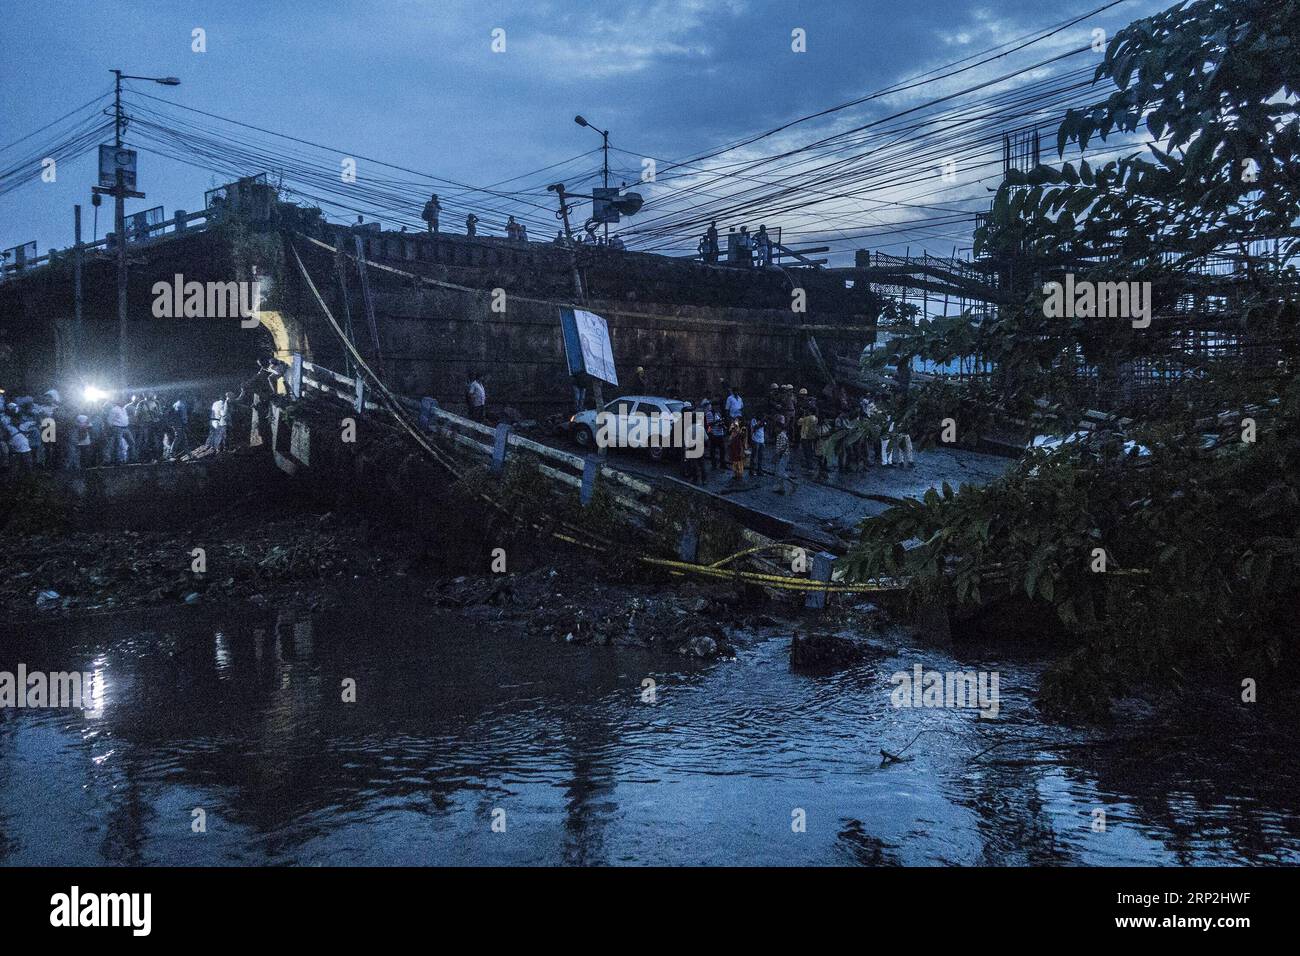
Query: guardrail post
822,566
359,403
590,471
295,375
499,446
688,548
181,220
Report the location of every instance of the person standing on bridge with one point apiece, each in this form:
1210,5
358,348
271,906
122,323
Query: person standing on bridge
745,247
736,445
219,422
781,456
118,435
709,244
20,450
763,244
735,405
716,430
430,213
471,225
757,443
258,392
178,419
82,444
808,438
475,397
150,423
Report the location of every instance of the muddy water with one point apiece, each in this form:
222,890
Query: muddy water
241,715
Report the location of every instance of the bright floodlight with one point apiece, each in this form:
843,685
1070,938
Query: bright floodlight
93,394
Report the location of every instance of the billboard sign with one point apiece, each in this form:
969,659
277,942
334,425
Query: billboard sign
111,159
587,346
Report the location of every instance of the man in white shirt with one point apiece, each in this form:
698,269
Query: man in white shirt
219,421
119,433
475,397
735,404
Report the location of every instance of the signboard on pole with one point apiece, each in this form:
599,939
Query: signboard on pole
602,204
111,159
587,346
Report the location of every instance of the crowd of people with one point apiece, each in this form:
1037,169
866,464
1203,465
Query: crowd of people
102,429
790,432
742,249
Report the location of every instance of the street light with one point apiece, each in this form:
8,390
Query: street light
581,121
119,213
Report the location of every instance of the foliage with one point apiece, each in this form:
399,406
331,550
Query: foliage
1214,84
1199,542
1201,537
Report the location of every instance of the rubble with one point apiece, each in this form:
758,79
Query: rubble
92,570
828,651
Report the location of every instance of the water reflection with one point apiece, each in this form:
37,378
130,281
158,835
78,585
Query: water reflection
245,717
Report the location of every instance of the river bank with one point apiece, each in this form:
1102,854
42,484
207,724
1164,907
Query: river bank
266,548
271,546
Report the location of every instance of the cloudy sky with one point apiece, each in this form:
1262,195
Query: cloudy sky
418,84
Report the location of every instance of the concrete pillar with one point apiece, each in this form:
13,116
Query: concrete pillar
688,548
428,414
294,379
499,446
822,566
590,471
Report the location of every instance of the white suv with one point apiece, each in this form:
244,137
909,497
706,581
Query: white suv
660,426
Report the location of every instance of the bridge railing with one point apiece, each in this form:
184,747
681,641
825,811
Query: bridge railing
181,222
494,444
635,497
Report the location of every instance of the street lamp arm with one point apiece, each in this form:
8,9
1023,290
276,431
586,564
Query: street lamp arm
164,80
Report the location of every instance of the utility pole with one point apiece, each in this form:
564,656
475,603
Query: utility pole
558,189
120,193
119,228
604,179
78,334
580,295
604,173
